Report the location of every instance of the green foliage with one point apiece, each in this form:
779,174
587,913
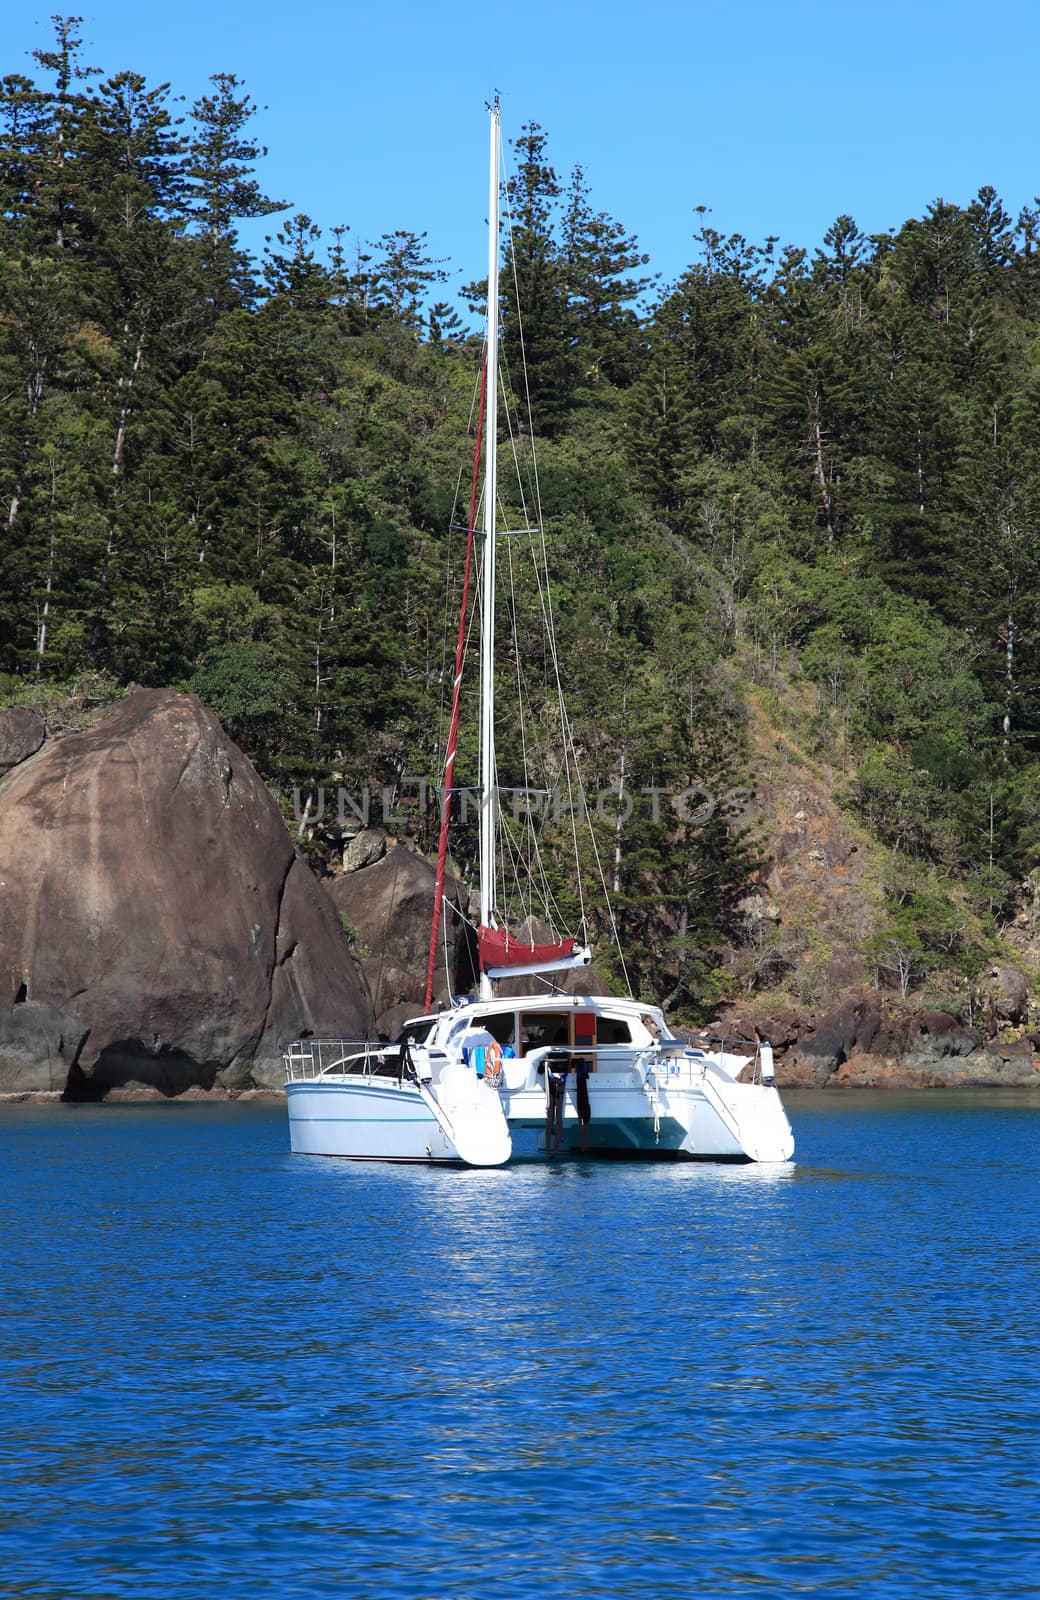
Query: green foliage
63,706
823,464
241,683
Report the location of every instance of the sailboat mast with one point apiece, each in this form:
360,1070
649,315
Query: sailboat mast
488,796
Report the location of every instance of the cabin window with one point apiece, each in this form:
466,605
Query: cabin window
500,1024
539,1029
612,1030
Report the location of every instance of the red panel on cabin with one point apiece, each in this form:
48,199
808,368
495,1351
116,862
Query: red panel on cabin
584,1028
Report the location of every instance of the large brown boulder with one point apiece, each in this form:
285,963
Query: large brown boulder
853,1025
150,891
1007,994
389,909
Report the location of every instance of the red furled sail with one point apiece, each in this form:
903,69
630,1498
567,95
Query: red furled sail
498,948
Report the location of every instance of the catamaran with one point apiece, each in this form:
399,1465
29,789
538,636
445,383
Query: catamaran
491,1076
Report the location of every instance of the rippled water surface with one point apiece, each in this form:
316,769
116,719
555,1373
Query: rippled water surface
229,1371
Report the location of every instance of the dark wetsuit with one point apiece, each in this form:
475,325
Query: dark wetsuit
557,1066
581,1091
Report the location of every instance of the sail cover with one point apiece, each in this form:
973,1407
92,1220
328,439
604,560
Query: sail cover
498,948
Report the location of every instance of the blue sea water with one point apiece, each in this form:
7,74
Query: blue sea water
228,1371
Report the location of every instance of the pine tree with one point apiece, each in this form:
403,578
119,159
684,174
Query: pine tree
222,159
599,258
403,275
538,326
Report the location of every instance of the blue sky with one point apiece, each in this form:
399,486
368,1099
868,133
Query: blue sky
777,117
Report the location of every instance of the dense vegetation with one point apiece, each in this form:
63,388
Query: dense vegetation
823,465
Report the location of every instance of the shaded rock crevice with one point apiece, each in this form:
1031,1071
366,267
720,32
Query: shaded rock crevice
276,959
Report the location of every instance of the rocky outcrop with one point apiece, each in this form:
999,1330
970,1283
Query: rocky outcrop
388,910
151,894
22,732
364,849
866,1042
1007,994
814,902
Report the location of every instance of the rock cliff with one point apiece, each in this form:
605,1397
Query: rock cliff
808,919
152,901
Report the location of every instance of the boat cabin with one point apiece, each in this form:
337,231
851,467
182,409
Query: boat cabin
578,1023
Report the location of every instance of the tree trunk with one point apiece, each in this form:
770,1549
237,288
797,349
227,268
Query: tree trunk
819,468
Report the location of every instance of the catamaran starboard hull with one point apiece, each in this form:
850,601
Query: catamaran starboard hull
746,1122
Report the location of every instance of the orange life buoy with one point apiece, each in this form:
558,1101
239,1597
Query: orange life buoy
493,1064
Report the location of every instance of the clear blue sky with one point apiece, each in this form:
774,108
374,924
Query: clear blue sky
778,117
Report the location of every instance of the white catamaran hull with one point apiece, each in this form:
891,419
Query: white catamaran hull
737,1122
384,1119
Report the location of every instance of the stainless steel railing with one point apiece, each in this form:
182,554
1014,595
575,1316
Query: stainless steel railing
310,1058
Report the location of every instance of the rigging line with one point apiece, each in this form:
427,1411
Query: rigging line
570,749
515,875
541,571
445,627
566,727
510,844
540,565
570,754
546,604
474,402
553,913
606,897
519,689
456,691
462,915
447,971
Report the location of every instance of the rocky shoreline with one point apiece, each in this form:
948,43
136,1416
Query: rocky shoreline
161,937
868,1041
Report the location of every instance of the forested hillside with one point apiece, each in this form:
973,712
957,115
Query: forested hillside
810,478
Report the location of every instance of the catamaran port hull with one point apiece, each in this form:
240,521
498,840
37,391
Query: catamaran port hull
372,1119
